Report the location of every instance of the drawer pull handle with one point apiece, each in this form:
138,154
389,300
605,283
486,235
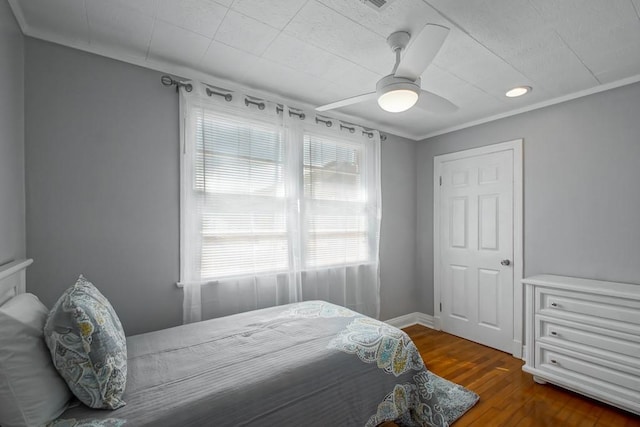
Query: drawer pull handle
554,304
554,333
553,361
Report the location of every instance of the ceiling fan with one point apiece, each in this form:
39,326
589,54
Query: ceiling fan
401,90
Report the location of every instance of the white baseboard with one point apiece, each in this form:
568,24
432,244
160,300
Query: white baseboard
402,321
425,320
412,319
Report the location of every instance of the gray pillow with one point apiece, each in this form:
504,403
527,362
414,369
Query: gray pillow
88,346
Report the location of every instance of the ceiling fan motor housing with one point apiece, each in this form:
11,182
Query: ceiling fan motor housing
391,82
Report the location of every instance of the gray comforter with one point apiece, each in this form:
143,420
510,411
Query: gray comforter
310,363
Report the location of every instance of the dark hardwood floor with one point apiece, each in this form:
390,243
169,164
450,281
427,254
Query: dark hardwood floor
508,396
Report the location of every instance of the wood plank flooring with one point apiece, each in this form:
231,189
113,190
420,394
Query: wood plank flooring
508,396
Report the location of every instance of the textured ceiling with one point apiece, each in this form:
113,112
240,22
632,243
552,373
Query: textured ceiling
319,51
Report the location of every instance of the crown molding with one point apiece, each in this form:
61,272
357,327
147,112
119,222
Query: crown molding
537,106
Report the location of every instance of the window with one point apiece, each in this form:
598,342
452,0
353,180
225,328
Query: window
238,186
290,203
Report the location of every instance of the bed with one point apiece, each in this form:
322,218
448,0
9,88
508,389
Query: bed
309,363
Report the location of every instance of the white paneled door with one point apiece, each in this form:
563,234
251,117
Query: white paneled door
476,247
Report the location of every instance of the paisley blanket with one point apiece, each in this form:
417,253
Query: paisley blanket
310,363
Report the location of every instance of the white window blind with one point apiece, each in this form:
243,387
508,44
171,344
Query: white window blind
335,216
239,172
276,210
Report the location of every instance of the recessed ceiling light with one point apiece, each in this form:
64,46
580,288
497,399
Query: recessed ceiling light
518,91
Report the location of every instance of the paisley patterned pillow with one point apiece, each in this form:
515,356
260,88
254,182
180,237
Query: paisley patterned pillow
88,346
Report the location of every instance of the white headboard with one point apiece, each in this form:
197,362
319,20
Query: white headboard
13,279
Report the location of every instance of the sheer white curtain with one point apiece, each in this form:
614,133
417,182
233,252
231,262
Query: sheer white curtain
276,209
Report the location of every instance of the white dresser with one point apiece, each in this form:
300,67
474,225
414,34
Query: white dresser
584,335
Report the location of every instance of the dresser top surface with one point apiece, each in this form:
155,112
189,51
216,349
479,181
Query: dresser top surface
585,285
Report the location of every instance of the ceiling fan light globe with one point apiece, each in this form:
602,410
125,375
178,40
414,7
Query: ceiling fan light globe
397,94
397,101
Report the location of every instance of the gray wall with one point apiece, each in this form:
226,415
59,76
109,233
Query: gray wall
102,183
398,229
102,158
12,205
581,187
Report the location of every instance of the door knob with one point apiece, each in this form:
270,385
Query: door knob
505,262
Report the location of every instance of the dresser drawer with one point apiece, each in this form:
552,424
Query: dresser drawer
605,344
609,312
592,373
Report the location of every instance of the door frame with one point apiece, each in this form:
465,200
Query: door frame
516,146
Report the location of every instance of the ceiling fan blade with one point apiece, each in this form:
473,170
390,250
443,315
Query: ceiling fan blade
347,101
433,103
421,51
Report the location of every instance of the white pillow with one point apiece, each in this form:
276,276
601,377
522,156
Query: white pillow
31,390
